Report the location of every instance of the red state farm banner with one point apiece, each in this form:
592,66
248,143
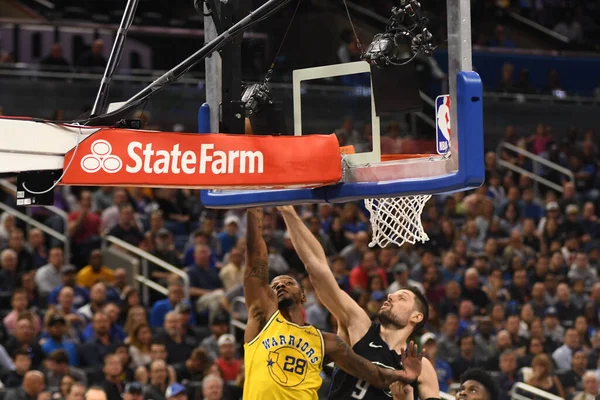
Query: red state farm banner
121,157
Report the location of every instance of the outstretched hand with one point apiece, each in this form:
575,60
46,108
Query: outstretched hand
411,363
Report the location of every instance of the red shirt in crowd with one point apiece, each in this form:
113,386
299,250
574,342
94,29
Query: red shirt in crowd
229,369
359,278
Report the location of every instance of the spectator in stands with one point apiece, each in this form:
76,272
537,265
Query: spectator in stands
542,376
49,277
19,303
55,60
232,273
13,378
442,368
501,39
95,272
58,367
194,368
212,387
33,385
158,381
590,387
113,384
24,338
16,242
127,229
205,285
56,327
359,276
572,379
229,237
93,60
564,354
9,277
165,250
37,247
471,290
116,332
133,391
102,199
227,361
97,301
111,215
508,374
84,229
218,327
466,357
506,84
94,351
139,345
178,345
447,343
162,307
68,273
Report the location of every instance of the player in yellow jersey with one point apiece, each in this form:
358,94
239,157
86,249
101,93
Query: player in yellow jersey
283,357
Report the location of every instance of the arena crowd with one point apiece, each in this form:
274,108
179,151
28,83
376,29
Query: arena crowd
510,274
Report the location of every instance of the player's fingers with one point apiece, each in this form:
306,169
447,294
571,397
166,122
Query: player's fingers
422,354
411,349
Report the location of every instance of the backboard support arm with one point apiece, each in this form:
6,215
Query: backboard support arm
101,102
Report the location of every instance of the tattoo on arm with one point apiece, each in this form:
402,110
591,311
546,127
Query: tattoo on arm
257,258
260,270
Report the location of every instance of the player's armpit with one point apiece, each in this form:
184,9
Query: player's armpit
429,386
359,367
347,312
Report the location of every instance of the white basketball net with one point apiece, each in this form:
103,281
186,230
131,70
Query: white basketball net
397,220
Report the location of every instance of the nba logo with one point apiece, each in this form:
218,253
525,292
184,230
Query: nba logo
442,124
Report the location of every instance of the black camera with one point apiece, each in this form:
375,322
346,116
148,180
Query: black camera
256,97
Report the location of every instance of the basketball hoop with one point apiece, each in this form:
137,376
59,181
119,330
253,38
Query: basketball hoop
397,220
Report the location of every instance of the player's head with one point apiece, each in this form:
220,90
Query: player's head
407,306
288,290
477,384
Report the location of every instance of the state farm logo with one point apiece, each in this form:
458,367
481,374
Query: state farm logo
101,158
144,158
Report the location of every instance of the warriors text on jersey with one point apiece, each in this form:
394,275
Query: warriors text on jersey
283,362
373,348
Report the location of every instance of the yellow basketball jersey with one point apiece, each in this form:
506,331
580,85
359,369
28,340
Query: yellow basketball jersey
283,362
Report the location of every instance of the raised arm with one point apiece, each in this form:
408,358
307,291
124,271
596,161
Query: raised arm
260,299
350,316
346,359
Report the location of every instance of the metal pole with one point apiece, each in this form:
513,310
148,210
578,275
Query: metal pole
100,105
146,274
178,71
232,109
213,71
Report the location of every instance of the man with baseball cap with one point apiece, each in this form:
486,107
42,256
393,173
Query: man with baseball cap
442,368
176,391
133,391
228,363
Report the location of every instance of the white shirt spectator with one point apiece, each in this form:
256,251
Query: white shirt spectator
562,357
48,277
